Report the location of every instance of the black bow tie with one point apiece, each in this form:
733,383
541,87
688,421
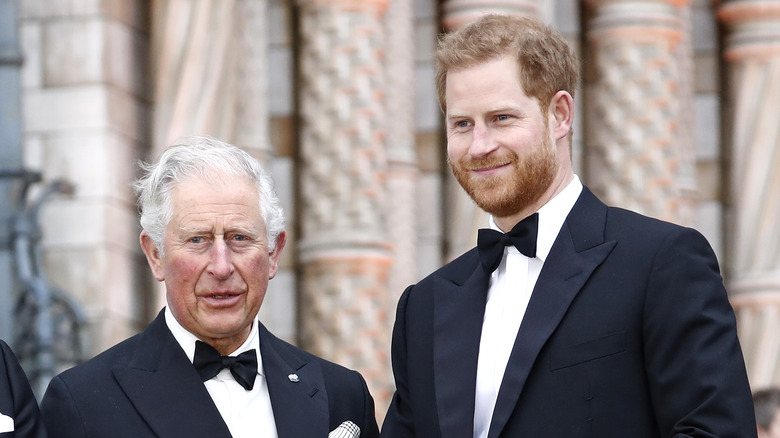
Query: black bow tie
208,362
491,243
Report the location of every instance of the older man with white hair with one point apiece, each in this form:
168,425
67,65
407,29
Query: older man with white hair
213,232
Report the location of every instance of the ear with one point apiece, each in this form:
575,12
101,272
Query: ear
152,256
561,114
276,254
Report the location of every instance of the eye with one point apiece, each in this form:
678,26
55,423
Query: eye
502,117
196,240
240,238
462,124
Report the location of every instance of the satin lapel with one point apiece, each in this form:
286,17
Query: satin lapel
459,307
166,390
578,250
296,387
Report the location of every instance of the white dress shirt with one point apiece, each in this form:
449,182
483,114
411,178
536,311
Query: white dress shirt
246,413
510,290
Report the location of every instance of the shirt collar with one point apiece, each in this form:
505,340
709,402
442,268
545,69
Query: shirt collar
551,217
187,340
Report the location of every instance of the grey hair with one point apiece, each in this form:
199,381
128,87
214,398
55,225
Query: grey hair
201,157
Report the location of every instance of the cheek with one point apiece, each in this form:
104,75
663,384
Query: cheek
184,270
456,150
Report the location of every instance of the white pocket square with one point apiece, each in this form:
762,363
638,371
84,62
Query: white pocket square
7,424
346,429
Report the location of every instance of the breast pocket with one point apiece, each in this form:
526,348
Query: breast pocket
587,351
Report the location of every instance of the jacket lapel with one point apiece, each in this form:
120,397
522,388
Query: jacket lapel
459,306
578,250
296,387
166,390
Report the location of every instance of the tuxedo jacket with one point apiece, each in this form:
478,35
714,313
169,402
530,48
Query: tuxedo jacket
17,400
147,387
628,333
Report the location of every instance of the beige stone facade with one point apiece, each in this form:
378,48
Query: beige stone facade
337,99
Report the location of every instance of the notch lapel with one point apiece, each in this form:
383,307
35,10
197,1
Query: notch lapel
459,306
578,250
296,387
166,390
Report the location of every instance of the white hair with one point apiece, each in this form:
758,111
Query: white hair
200,156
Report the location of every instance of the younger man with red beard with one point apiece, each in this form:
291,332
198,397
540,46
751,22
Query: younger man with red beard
583,320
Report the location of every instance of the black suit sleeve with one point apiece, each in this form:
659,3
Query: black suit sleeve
370,428
693,359
398,421
18,400
59,412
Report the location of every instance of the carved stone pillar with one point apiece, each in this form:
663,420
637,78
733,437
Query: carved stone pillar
344,250
752,53
402,173
638,154
463,217
460,12
251,104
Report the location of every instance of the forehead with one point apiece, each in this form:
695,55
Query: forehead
496,81
215,196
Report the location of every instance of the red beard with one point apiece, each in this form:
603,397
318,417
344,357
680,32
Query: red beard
505,195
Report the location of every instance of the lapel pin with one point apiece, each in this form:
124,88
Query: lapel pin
293,378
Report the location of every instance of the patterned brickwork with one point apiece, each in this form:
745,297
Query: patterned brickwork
343,307
403,171
634,137
344,246
342,144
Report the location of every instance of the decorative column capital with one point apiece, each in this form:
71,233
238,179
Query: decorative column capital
637,19
754,28
348,5
457,13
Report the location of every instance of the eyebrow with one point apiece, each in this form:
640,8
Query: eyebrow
501,109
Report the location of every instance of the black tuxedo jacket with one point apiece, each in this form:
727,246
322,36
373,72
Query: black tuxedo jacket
146,387
628,333
16,398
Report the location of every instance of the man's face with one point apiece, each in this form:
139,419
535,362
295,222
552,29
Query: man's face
217,263
498,139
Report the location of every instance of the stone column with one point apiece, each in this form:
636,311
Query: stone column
752,53
251,105
402,172
463,217
638,155
344,247
460,12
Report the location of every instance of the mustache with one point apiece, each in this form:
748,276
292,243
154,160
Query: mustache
486,162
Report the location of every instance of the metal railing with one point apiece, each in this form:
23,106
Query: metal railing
48,323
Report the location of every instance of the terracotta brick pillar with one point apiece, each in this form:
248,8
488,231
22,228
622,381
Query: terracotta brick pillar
752,54
344,250
403,173
639,151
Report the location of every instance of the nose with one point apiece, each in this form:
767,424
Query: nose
221,264
482,141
